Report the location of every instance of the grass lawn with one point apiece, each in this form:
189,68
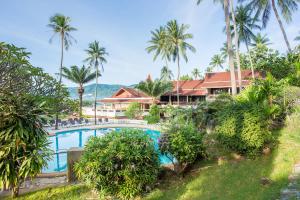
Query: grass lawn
232,180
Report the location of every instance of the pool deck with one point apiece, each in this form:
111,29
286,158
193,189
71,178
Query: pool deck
108,125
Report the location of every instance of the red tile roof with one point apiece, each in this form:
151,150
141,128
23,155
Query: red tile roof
222,79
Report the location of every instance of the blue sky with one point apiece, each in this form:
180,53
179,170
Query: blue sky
123,27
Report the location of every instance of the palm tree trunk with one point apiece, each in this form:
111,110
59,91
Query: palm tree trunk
80,93
250,59
281,26
178,77
229,48
237,52
95,102
60,79
15,191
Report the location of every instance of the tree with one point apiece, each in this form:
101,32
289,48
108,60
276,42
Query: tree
236,39
24,144
196,73
185,77
60,24
217,61
260,40
79,76
166,74
177,42
225,4
154,88
159,44
263,8
245,24
96,56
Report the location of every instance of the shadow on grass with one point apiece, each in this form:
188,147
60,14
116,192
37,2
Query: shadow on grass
239,180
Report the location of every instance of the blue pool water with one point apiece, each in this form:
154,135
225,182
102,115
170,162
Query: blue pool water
62,141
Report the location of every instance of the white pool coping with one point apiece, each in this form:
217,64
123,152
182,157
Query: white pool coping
155,127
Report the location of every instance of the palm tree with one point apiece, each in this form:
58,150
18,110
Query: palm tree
196,73
224,50
154,88
159,44
60,24
225,4
245,24
217,61
236,39
79,76
260,40
287,7
178,45
96,57
166,74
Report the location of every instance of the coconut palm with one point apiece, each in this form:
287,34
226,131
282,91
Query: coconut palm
178,45
196,73
263,8
224,50
159,45
217,61
166,74
79,76
96,56
225,5
245,24
260,40
61,26
154,88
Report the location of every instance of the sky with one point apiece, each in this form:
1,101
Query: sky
123,28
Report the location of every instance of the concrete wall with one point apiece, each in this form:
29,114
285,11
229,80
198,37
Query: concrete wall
73,155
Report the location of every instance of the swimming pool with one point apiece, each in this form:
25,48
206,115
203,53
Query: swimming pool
62,141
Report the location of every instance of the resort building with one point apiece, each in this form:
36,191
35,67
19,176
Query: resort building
190,92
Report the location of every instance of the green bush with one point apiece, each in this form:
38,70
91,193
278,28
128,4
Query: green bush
154,115
243,127
183,142
121,164
133,111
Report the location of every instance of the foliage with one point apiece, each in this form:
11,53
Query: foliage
243,127
268,60
196,74
23,142
122,164
154,88
260,40
217,61
154,114
186,77
182,141
133,111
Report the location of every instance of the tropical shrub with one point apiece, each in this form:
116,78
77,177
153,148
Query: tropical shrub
24,145
182,142
243,127
154,115
133,111
121,164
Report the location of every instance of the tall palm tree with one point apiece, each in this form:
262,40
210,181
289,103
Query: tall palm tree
166,74
236,39
60,25
225,4
245,24
159,44
196,73
96,56
224,50
287,7
178,45
260,40
298,37
217,61
79,76
154,88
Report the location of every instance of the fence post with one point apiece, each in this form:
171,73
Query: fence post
73,155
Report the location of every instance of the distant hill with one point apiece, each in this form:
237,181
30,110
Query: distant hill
104,90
